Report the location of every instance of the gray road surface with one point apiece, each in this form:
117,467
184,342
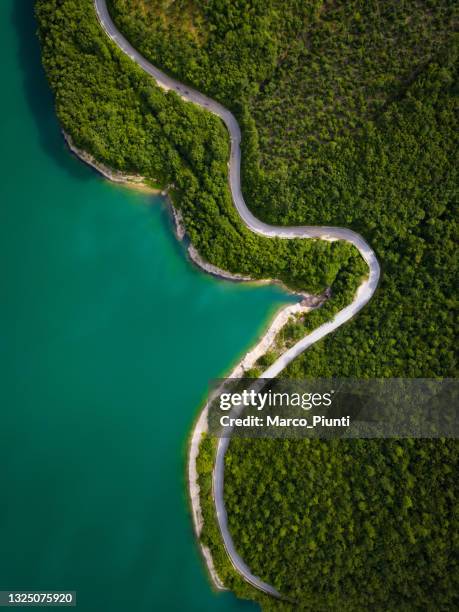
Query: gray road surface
363,295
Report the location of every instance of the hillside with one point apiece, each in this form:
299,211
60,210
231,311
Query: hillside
349,117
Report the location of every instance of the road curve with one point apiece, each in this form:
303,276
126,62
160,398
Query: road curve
363,294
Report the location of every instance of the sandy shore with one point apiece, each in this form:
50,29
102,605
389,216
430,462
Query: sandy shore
138,182
200,428
307,303
362,296
283,316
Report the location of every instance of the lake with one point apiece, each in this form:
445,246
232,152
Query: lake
108,338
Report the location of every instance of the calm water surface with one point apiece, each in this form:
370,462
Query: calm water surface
108,337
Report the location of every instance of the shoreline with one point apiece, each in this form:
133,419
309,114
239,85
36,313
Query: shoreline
362,296
200,427
280,318
134,181
243,278
138,182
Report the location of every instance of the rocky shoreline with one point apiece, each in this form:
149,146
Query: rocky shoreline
135,181
281,318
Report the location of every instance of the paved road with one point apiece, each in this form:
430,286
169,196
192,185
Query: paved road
363,295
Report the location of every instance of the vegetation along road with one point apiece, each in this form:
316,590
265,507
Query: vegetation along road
362,296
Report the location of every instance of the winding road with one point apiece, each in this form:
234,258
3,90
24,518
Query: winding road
363,294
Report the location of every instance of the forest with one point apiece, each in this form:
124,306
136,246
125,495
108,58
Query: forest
379,81
348,524
115,111
349,113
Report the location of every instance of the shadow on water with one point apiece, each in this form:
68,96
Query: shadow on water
36,90
179,246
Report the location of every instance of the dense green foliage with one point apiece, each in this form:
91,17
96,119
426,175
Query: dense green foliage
351,120
349,117
112,109
376,522
210,535
224,48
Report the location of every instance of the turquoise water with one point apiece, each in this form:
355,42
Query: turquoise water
108,337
